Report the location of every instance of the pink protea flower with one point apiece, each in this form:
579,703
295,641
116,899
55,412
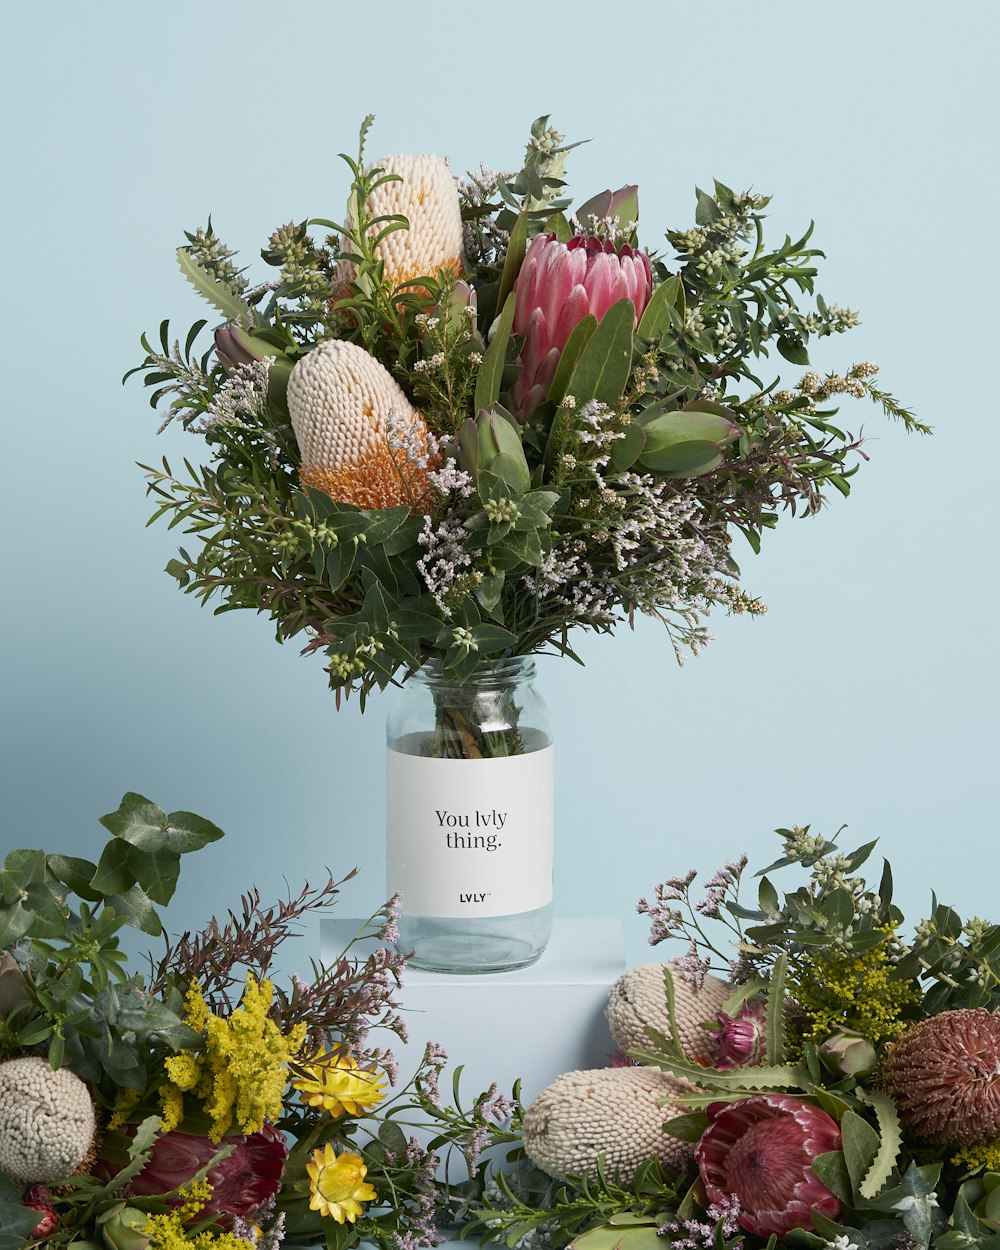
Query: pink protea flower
557,286
760,1151
739,1039
241,1182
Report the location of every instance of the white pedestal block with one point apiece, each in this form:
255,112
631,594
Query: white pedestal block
532,1024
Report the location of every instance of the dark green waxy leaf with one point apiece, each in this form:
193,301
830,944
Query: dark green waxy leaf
602,371
706,211
339,563
579,338
34,912
381,525
793,349
75,874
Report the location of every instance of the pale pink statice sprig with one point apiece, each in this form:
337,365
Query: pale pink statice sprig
255,1231
721,1216
491,1110
429,1075
240,403
674,913
389,930
484,242
419,1211
445,558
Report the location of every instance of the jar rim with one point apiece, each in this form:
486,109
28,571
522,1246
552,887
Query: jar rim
500,670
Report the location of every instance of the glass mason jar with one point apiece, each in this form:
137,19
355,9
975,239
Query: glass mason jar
469,817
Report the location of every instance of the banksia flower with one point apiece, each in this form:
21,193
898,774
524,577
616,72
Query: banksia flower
760,1151
241,1182
427,197
360,438
46,1121
615,1112
637,1000
558,285
944,1074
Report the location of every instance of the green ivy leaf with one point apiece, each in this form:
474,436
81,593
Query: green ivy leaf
148,827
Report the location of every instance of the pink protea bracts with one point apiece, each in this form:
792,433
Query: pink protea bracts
739,1039
944,1074
760,1152
557,286
241,1183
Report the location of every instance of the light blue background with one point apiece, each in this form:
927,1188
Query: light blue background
866,696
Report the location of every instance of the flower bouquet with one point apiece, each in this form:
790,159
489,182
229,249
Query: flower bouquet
467,419
205,1104
838,1090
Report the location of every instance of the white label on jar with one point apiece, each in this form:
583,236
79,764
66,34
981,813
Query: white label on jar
469,837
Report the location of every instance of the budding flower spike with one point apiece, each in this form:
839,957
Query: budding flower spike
423,192
360,438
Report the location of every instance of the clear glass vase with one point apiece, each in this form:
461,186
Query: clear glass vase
469,817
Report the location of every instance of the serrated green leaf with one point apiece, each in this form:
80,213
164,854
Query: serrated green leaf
774,1017
222,297
890,1142
517,245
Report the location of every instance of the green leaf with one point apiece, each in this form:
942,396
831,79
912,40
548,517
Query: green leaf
491,638
656,317
219,295
831,1169
558,225
775,1012
113,875
17,1221
134,904
641,1239
861,1145
689,1127
489,377
670,1006
145,1135
603,369
577,341
627,449
76,874
793,349
517,245
148,827
890,1143
156,872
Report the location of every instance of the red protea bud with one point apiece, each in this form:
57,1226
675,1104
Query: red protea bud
38,1198
241,1182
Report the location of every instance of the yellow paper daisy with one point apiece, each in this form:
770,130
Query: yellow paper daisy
339,1085
337,1184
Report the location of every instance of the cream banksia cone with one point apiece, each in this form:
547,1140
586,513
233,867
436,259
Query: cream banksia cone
360,438
427,197
944,1074
47,1122
638,999
615,1112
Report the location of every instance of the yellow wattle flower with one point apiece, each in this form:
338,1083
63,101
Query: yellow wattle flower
240,1072
344,405
427,197
339,1085
337,1185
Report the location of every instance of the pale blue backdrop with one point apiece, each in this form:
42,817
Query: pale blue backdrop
867,696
